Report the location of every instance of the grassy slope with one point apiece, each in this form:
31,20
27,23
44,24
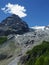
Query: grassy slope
39,55
2,40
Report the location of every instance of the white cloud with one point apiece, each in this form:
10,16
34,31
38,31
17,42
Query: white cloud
15,9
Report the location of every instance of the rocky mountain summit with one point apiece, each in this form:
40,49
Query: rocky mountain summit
13,25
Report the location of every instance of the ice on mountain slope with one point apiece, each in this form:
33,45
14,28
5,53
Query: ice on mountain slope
22,39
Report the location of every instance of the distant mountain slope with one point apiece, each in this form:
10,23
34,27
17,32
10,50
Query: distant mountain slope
13,24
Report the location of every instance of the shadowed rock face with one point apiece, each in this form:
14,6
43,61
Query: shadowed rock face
13,24
5,56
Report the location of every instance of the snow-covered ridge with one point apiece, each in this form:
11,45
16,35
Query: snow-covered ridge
40,27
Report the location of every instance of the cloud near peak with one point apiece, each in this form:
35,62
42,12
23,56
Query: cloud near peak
15,9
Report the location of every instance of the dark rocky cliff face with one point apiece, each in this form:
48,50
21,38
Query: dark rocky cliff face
13,25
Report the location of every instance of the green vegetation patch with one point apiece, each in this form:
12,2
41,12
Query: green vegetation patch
3,39
39,55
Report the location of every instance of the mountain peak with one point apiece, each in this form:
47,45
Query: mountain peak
13,24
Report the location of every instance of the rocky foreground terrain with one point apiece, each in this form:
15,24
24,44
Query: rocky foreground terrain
19,40
17,45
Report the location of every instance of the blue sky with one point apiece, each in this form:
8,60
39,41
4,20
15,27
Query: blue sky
37,11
